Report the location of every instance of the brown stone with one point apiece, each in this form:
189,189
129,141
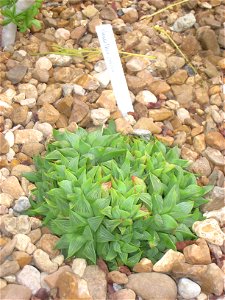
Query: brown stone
179,77
216,140
160,114
88,82
52,279
47,243
47,113
117,277
165,264
202,95
190,45
9,267
64,74
12,187
4,146
148,124
198,253
159,87
32,149
79,111
19,114
168,140
144,265
64,105
141,110
42,75
22,258
183,94
199,143
135,84
15,292
77,33
107,100
123,126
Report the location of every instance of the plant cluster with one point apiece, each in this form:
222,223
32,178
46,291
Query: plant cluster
23,20
117,197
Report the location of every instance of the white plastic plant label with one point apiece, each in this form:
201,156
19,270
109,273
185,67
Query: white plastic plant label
114,67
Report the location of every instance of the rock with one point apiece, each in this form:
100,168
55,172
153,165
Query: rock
19,114
79,265
16,74
4,145
198,253
161,287
183,114
96,280
52,279
24,136
216,140
108,13
135,84
124,294
48,114
179,77
29,90
148,124
43,63
199,143
30,277
167,140
165,264
210,277
43,262
175,63
45,128
62,33
12,187
3,283
145,97
188,289
141,110
159,87
100,116
88,82
136,64
201,166
16,225
221,38
47,243
209,229
89,11
190,45
183,94
79,111
9,267
7,250
32,149
184,22
42,75
60,60
63,74
217,214
22,241
103,78
68,287
201,94
64,105
107,100
123,126
160,114
214,156
208,40
22,258
21,204
78,33
78,90
15,292
117,277
216,199
144,265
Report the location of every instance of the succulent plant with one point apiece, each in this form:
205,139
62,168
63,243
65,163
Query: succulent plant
117,197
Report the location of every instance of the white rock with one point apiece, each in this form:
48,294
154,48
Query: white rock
29,89
30,277
59,259
188,289
10,155
100,116
165,264
62,33
79,265
6,199
30,248
136,64
24,136
218,214
10,93
130,119
209,230
45,128
9,136
103,78
60,60
79,90
30,102
146,97
43,63
184,23
183,114
100,66
22,241
43,262
19,97
10,278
